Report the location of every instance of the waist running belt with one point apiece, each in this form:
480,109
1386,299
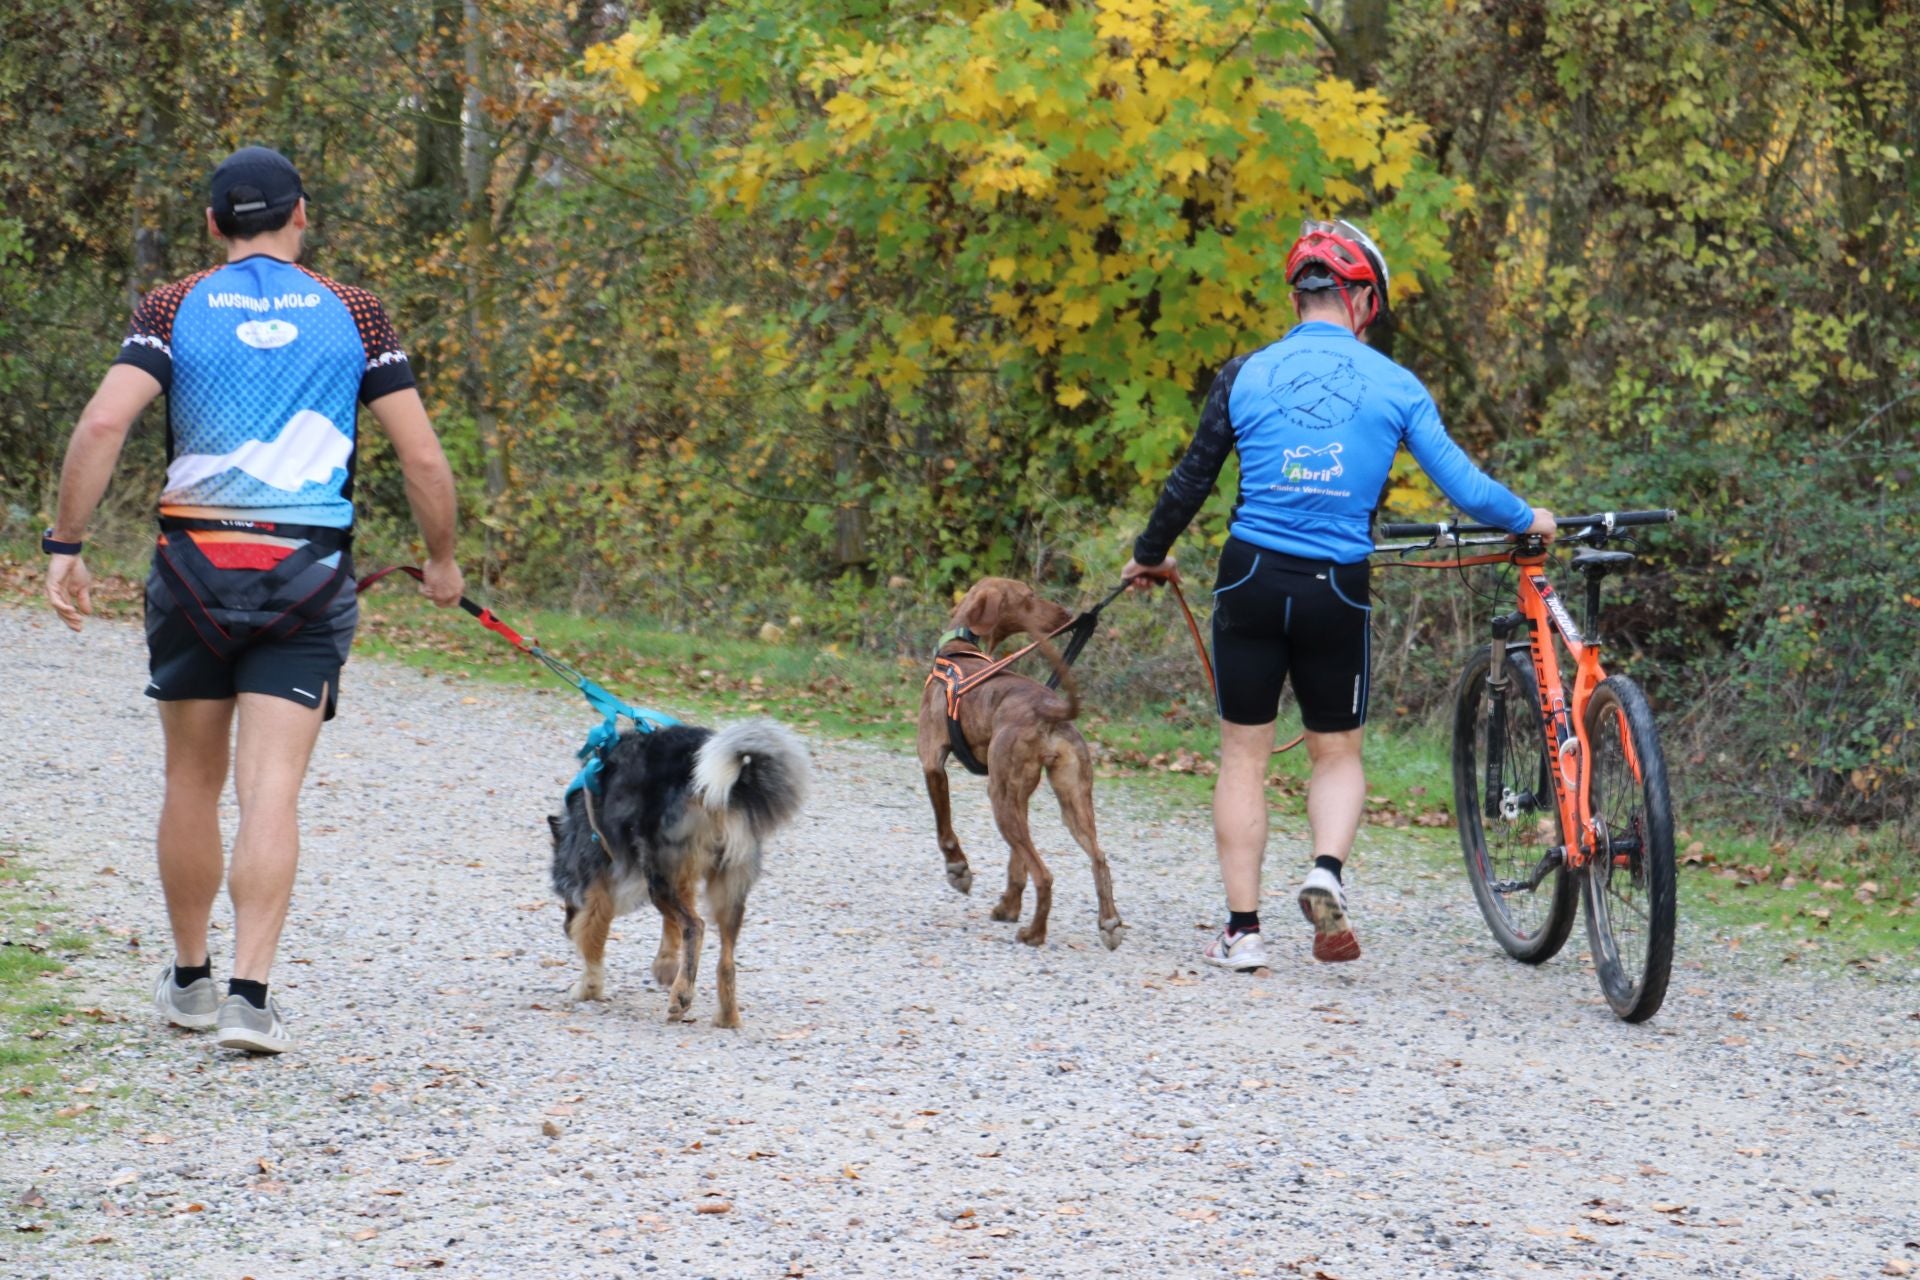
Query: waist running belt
232,610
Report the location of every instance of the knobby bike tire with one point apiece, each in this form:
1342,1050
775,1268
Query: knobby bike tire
1531,925
1631,892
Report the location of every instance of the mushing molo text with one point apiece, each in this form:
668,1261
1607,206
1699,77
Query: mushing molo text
263,304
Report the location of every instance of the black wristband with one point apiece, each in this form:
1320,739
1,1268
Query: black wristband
54,547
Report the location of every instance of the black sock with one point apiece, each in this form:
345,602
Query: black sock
185,976
1243,921
1327,862
254,993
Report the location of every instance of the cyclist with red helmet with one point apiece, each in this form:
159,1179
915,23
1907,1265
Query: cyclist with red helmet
1316,419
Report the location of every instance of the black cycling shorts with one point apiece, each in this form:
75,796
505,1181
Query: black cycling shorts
1278,617
231,636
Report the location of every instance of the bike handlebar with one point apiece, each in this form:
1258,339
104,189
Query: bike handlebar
1568,525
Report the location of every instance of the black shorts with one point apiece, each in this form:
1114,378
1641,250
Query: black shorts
185,657
1278,617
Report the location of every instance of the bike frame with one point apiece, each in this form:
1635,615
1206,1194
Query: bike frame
1563,716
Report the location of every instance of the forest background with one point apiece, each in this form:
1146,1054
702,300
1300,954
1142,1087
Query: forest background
752,312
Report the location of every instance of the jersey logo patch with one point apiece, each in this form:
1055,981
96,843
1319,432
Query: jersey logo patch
1321,398
308,449
1308,463
265,335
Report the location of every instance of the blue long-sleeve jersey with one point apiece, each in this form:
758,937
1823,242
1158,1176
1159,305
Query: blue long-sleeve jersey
1317,418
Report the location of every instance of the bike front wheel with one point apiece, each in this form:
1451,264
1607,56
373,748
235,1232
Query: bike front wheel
1629,883
1504,804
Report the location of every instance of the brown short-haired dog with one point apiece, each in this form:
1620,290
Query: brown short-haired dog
1021,729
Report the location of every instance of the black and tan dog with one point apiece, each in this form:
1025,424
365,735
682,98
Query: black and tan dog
678,808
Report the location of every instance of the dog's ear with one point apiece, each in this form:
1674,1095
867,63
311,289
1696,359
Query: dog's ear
979,610
553,825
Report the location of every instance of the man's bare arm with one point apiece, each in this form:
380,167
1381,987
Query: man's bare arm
95,447
92,454
429,483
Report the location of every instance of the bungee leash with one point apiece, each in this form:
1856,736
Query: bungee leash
603,735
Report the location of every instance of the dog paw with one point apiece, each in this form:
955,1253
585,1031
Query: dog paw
1005,909
588,986
960,876
1032,937
678,1004
727,1020
1111,931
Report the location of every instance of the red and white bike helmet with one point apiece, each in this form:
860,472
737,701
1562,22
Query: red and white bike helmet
1339,255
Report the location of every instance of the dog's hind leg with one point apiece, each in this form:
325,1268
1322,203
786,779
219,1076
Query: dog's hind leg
959,873
729,902
1013,773
1071,773
693,932
588,929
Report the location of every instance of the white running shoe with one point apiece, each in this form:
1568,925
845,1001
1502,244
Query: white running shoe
1237,951
253,1030
1324,903
193,1006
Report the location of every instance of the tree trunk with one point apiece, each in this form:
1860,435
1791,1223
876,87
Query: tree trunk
477,158
437,140
1366,39
281,25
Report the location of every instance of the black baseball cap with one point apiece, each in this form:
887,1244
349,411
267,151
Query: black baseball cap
255,180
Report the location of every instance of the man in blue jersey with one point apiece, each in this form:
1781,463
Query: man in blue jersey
1316,419
251,607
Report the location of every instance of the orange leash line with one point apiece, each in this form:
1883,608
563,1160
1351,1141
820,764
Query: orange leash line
1199,645
1206,662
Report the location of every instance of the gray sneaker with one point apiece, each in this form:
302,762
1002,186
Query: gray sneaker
254,1030
193,1006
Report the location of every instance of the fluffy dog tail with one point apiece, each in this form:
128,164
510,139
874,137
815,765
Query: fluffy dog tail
756,769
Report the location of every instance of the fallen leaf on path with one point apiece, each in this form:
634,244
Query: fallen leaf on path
714,1206
32,1199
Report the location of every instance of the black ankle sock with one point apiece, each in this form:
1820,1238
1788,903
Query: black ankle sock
185,976
1327,862
254,993
1243,921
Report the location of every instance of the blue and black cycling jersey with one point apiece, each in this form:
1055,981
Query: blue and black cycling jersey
262,362
1317,418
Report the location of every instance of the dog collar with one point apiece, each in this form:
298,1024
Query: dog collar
956,633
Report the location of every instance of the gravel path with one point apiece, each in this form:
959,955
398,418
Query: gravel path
913,1093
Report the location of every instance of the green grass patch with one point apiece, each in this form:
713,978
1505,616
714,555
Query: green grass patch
36,1018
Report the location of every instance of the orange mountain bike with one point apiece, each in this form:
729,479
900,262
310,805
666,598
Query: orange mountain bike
1560,792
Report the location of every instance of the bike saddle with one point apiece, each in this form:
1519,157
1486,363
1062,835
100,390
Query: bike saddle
1601,563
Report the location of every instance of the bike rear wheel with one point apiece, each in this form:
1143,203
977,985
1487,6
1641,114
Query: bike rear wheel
1629,883
1503,799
